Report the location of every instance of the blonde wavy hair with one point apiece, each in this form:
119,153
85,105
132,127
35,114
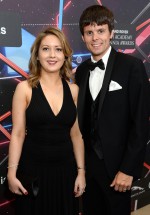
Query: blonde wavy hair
34,64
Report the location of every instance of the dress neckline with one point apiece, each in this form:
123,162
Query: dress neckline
48,104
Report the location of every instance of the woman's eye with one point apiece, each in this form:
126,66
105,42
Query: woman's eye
45,48
59,49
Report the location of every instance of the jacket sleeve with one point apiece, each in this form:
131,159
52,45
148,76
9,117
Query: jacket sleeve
139,103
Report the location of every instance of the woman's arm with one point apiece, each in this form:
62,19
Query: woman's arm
19,105
78,147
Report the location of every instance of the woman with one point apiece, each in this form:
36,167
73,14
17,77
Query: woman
46,140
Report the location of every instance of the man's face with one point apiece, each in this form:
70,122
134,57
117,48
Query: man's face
97,39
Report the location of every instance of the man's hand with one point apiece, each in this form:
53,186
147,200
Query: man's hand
122,182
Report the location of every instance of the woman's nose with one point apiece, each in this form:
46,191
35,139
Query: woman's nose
52,53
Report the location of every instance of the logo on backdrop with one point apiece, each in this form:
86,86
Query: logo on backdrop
140,187
10,29
124,36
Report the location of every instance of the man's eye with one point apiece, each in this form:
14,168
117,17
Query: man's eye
89,33
100,31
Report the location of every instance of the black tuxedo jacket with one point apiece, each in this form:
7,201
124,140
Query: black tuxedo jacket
123,115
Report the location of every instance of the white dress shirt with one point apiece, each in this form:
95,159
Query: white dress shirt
97,76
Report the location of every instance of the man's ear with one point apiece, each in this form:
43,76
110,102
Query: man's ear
83,38
112,34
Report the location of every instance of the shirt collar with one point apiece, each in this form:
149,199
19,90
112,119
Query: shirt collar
104,58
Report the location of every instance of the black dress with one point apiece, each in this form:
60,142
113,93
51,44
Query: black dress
47,157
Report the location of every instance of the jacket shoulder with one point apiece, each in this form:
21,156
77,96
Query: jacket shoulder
128,57
83,64
80,71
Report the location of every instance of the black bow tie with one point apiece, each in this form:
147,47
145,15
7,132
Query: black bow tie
99,64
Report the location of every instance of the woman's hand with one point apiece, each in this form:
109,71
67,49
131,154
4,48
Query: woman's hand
80,183
15,186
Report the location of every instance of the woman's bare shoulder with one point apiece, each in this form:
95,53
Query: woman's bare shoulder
73,86
74,90
23,86
23,89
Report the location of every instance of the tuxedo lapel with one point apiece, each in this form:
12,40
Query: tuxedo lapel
82,95
107,78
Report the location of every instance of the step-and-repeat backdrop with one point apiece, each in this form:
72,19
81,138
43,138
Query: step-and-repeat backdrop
20,22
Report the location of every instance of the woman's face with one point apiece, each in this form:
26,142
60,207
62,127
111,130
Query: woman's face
51,54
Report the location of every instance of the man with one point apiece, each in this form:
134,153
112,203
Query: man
113,116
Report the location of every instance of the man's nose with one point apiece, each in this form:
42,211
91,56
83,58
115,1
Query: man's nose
95,36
